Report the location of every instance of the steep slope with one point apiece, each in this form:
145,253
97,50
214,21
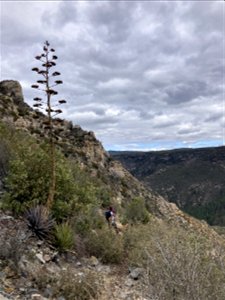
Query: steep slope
166,248
89,154
191,178
74,142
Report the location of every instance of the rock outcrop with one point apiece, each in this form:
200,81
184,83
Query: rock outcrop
12,89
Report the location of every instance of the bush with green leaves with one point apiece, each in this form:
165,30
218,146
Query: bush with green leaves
90,217
28,178
136,211
106,245
64,236
9,141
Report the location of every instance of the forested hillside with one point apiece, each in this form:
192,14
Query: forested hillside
191,178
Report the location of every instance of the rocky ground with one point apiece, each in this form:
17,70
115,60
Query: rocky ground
32,269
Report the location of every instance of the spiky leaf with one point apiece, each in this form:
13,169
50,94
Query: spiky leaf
40,221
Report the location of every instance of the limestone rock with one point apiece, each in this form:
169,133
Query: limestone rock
136,273
12,89
47,258
93,261
129,282
40,257
36,297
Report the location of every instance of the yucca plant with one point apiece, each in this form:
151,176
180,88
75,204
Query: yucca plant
40,221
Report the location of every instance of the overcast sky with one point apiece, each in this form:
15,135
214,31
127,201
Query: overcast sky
140,74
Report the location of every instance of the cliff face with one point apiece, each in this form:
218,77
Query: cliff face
191,178
14,111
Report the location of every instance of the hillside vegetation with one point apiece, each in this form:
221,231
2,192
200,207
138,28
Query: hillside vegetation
191,178
72,253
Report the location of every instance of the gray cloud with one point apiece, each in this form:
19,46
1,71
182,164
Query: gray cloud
136,73
65,13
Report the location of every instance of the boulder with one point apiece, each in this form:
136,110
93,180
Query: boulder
136,273
12,89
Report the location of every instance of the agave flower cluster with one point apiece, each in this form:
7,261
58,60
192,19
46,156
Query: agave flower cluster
47,83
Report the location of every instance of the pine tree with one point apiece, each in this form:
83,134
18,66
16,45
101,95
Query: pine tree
47,85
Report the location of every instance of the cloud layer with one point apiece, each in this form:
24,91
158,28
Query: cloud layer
141,75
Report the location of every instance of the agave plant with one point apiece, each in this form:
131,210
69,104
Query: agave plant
46,83
40,221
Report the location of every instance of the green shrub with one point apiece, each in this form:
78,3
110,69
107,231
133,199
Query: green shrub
28,178
89,218
106,245
62,210
136,211
64,237
104,196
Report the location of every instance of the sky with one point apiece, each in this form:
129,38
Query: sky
142,75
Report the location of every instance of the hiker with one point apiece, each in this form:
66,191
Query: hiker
110,216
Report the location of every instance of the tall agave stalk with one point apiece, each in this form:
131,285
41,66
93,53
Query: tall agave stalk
46,84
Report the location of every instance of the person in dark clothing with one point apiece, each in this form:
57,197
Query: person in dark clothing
109,214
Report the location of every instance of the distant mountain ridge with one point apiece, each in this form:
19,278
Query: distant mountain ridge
191,178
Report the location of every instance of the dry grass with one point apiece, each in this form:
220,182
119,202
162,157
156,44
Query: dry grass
11,250
70,284
179,265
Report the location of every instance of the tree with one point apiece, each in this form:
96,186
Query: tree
46,84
